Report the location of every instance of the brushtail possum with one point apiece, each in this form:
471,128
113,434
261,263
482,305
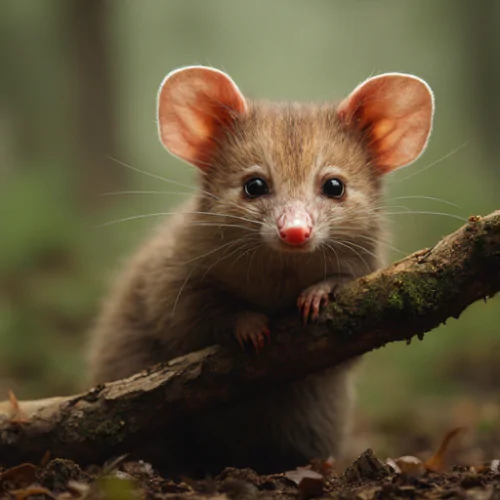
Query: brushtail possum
288,207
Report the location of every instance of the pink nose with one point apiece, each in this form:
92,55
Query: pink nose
295,235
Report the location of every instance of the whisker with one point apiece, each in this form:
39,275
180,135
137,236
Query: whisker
381,241
452,216
369,252
238,245
134,217
232,242
115,193
356,252
340,271
216,224
426,198
194,189
153,176
143,216
446,156
180,291
245,253
330,247
385,207
250,260
336,258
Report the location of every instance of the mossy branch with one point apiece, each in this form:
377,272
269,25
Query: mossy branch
407,299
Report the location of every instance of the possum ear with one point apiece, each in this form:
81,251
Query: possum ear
393,112
195,105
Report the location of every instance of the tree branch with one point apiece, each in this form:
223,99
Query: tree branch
405,300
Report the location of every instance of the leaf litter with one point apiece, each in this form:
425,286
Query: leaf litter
405,477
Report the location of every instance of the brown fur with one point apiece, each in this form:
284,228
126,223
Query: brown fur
207,266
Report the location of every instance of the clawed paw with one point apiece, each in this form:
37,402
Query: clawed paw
312,300
252,327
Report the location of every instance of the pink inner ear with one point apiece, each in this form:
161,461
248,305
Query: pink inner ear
394,113
195,105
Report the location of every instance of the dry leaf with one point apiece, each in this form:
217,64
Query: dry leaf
299,474
324,467
437,463
112,465
407,465
138,468
77,488
311,487
491,466
413,466
29,492
495,465
18,477
45,459
393,465
18,417
308,481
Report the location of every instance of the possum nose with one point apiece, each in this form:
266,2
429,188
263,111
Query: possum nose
295,235
295,225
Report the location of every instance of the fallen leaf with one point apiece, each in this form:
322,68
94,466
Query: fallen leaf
112,465
495,466
18,477
393,465
407,465
491,466
45,459
138,468
324,467
31,492
18,417
77,488
437,463
311,487
309,482
298,475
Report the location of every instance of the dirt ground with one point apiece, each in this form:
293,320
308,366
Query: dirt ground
364,479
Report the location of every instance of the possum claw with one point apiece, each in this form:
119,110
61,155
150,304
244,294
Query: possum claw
252,327
313,299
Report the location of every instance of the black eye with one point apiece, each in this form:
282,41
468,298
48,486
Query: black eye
255,187
333,188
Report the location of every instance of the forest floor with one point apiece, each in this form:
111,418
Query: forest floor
366,478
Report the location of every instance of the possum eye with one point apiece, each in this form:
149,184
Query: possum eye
333,188
255,187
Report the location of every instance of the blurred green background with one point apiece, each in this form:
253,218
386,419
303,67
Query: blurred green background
78,86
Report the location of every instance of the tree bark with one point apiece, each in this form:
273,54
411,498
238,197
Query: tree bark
481,43
407,299
94,99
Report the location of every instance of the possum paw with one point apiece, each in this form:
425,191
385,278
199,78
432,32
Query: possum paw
313,299
252,327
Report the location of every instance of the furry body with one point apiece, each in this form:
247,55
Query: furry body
218,267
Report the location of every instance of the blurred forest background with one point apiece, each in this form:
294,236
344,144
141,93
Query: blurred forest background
78,87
